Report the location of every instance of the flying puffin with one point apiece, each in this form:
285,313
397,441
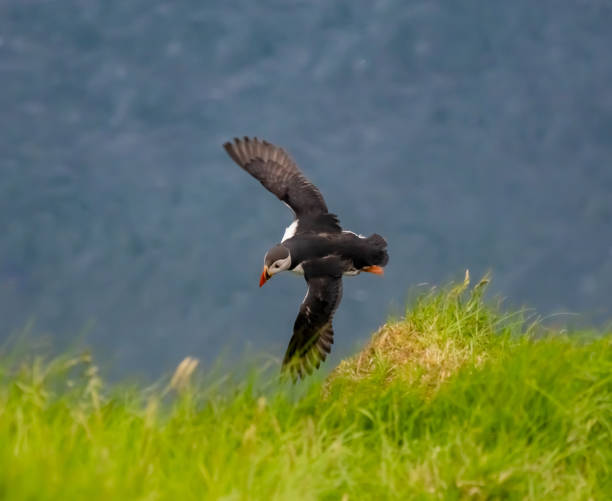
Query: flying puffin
314,245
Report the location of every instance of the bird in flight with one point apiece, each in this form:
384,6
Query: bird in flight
314,245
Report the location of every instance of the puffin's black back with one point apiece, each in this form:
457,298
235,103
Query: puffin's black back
357,251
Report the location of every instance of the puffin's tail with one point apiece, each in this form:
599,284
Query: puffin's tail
378,250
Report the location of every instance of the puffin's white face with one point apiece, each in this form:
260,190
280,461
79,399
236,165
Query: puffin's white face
277,259
279,265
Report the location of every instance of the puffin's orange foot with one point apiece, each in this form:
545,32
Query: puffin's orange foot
374,269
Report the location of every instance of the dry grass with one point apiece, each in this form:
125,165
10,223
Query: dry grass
441,333
410,356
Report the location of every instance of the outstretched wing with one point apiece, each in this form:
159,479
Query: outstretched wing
313,333
278,173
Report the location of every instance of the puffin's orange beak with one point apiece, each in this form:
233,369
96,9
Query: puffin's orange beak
265,276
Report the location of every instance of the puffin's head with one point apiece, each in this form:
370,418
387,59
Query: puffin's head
277,259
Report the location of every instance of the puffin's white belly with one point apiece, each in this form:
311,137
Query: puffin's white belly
298,270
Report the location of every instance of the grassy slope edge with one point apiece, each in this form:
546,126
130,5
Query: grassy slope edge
454,401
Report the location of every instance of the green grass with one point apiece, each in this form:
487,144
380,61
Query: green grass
457,400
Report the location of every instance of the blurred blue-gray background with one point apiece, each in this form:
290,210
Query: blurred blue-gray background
472,134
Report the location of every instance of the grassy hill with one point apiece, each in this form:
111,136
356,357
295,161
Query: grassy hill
457,400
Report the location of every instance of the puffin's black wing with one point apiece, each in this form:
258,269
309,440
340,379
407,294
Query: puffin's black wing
279,174
313,333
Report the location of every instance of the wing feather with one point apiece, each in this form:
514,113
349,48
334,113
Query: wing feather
278,173
313,331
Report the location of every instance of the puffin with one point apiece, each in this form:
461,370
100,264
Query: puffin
314,245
